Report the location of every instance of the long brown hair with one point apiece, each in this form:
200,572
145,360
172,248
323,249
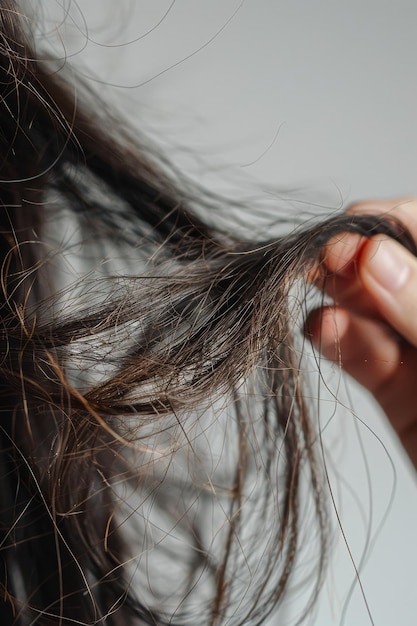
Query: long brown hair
153,429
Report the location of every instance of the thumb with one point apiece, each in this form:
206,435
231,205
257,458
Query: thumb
389,274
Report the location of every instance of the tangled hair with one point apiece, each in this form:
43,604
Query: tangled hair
154,435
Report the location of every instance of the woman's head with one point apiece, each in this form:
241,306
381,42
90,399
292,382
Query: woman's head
154,434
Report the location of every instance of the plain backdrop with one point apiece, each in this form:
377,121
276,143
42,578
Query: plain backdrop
318,100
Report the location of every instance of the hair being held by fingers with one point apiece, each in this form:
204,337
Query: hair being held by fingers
154,433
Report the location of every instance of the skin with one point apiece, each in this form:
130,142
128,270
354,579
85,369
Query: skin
372,327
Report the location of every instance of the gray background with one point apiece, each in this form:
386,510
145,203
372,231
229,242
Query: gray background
317,99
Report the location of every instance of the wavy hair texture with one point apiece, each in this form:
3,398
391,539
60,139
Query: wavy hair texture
153,432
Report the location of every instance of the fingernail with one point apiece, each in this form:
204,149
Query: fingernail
387,264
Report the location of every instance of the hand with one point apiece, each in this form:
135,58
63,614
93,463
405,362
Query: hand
372,327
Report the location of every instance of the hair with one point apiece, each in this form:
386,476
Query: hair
154,436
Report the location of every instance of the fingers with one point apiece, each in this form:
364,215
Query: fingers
366,348
376,277
342,252
379,282
372,328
